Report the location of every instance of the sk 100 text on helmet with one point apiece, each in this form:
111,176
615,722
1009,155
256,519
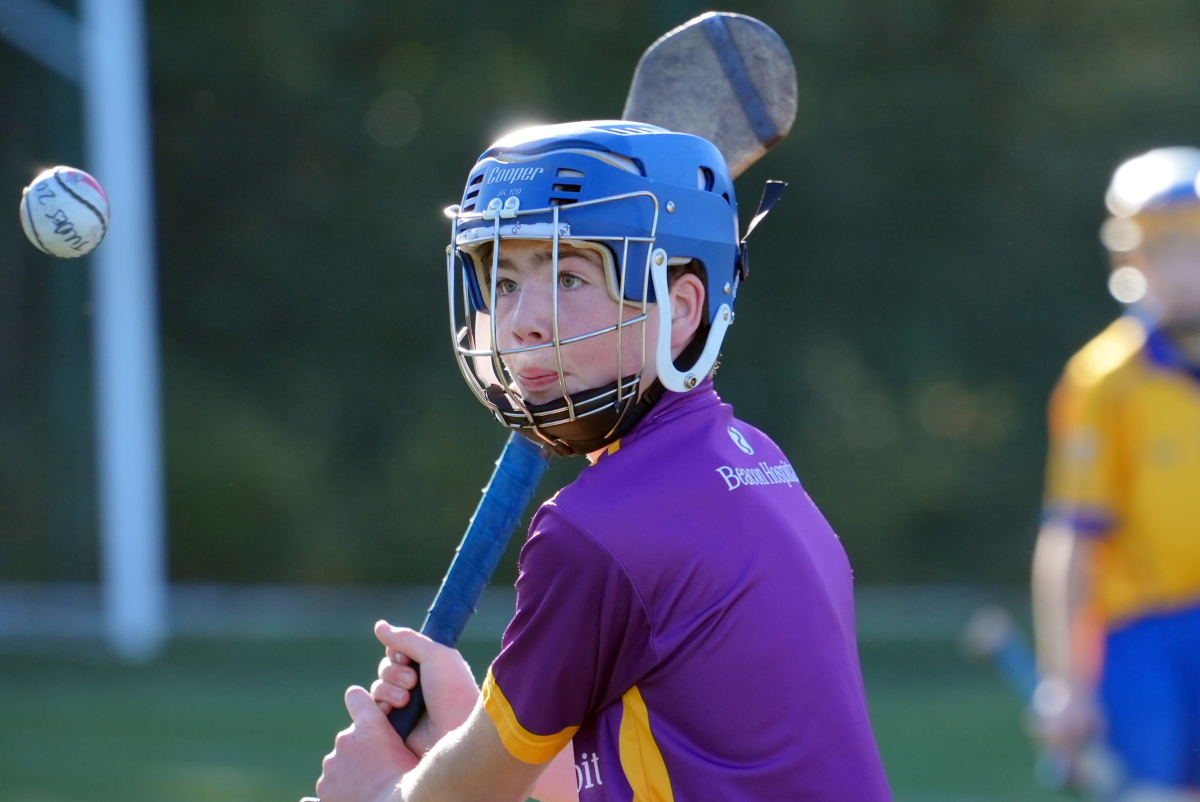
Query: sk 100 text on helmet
640,198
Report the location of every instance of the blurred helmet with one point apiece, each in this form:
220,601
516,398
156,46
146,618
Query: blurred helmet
641,197
1150,195
1155,181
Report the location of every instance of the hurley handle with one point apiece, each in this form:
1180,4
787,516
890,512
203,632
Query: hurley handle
505,498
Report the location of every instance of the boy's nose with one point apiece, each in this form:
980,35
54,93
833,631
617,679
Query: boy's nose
532,321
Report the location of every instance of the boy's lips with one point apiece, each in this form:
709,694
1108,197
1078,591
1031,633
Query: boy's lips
535,379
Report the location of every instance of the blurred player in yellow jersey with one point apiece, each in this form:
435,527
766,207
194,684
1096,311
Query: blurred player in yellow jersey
1116,574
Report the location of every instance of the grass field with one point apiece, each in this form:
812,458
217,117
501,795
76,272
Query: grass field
235,721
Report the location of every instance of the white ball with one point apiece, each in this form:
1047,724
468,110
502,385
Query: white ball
64,212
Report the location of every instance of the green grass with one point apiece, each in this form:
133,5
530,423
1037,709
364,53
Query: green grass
949,731
224,721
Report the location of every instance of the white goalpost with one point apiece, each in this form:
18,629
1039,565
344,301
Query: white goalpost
105,53
116,91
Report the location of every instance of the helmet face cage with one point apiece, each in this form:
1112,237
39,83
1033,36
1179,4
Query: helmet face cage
473,296
641,197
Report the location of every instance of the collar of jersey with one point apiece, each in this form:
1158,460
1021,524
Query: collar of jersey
671,405
1162,352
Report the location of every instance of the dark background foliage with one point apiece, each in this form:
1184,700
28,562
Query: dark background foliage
913,298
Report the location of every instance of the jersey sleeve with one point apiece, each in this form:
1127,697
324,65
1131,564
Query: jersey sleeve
1082,471
581,637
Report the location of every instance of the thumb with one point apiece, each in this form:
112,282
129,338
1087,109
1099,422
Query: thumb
364,712
408,642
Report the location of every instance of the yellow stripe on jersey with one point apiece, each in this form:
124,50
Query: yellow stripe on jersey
611,449
641,759
523,744
1125,466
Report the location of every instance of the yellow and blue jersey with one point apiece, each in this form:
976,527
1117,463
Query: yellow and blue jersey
1124,467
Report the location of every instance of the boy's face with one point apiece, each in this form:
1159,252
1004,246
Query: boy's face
525,318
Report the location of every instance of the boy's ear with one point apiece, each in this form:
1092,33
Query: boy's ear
687,309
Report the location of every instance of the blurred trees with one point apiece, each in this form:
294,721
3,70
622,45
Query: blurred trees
913,298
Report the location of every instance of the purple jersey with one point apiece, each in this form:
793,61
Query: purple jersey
686,615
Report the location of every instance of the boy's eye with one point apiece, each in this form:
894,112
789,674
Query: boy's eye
505,286
569,281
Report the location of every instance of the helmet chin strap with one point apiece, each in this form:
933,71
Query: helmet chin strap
594,430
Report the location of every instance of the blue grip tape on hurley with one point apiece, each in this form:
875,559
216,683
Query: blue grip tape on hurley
518,471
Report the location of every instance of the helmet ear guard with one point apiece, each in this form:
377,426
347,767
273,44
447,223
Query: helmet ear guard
680,381
673,379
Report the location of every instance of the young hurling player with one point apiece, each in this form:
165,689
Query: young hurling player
685,617
1116,574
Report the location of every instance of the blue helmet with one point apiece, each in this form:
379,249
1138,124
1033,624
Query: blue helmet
685,202
644,199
